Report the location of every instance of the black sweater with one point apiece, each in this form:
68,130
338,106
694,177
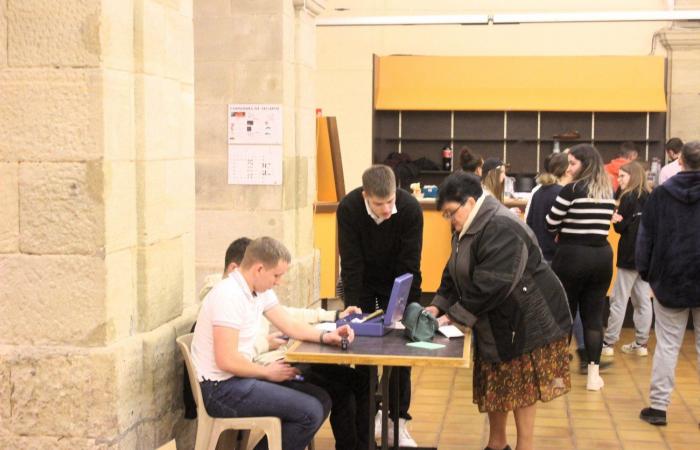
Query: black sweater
541,204
630,209
372,256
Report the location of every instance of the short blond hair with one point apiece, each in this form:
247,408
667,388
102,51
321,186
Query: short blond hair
379,181
267,251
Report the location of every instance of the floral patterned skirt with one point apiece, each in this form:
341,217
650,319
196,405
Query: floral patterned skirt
541,375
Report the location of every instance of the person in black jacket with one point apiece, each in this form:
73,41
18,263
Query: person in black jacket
668,251
634,194
380,236
499,284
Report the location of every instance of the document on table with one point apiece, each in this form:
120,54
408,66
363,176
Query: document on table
326,326
450,331
425,345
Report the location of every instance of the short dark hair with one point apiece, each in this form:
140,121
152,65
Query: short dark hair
675,145
691,155
469,161
628,148
379,181
459,187
235,251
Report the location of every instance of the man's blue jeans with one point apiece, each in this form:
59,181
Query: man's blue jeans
302,407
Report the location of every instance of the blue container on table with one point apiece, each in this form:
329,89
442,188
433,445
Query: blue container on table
430,191
381,325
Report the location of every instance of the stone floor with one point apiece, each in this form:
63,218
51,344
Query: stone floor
444,415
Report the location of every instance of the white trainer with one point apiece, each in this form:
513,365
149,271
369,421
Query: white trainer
608,350
594,381
635,349
378,426
405,439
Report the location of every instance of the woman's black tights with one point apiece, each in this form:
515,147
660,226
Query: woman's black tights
585,273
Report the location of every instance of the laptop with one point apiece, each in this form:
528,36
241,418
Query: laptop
381,325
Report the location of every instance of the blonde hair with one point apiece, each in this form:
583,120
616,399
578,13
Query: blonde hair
492,182
592,174
638,179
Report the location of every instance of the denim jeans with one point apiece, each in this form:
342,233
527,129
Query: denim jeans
302,407
349,391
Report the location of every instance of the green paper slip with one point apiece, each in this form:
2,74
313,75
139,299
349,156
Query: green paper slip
425,345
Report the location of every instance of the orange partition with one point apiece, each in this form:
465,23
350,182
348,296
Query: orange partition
521,83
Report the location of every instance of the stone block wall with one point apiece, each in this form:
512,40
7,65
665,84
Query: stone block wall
256,52
97,230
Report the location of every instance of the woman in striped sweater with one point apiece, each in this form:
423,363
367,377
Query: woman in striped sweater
581,218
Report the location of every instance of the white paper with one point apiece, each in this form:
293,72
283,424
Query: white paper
450,331
325,326
255,164
253,123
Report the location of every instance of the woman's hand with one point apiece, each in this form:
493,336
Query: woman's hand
278,371
616,218
444,320
349,310
275,341
433,310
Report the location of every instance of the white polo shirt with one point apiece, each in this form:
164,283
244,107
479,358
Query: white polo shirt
230,304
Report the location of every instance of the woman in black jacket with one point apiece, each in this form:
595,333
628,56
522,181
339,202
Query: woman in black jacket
497,282
633,185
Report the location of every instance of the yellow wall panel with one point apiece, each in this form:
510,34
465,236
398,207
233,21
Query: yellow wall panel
521,83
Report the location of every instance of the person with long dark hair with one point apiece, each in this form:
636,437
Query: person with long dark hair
470,162
498,283
581,218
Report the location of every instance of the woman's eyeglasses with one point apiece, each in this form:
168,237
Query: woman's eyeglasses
448,215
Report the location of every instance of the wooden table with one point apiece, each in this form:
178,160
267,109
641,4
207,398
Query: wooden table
385,352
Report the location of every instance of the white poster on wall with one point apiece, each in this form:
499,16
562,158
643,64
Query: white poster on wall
254,124
254,144
255,164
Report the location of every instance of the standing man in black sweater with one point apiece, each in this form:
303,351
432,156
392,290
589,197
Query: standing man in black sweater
380,235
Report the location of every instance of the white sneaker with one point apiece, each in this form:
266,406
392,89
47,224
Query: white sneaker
378,426
405,439
608,350
594,381
636,349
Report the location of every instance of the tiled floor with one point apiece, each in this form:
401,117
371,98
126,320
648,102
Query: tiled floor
444,415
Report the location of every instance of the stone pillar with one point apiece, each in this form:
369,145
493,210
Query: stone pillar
256,52
683,50
97,205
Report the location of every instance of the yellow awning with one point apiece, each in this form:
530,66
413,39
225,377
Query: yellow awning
520,83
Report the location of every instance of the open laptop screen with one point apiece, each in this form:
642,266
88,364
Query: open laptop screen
398,298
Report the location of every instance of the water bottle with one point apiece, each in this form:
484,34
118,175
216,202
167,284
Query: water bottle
447,158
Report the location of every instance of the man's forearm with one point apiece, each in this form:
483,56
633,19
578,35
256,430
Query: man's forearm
240,366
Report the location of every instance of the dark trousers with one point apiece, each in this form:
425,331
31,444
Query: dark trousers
301,406
404,381
585,273
371,304
349,392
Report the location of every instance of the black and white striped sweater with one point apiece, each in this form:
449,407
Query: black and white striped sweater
579,219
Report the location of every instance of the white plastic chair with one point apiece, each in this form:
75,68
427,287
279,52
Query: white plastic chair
210,428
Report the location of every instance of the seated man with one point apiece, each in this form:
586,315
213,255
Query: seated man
223,347
348,389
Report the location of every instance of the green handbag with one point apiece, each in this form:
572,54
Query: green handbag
420,324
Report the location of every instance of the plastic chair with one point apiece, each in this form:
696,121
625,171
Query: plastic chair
210,428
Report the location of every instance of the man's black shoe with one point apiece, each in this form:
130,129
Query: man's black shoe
653,416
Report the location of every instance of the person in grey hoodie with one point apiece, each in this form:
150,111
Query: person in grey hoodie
667,254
